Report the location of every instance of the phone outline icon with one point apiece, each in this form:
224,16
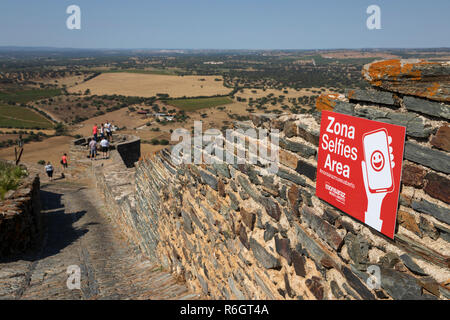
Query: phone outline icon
383,148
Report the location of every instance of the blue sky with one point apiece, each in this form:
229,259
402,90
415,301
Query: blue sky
225,24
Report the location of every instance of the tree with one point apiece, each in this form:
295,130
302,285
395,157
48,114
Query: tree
60,129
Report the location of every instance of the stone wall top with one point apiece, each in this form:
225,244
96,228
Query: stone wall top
414,77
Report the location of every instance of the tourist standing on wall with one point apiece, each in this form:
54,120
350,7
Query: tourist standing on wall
108,130
105,147
95,131
92,149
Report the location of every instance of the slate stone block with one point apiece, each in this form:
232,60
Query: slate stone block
356,284
283,248
434,159
440,213
299,263
431,108
306,169
302,149
438,187
375,96
267,260
399,285
209,179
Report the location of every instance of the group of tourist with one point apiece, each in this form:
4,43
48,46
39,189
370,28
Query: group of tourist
102,133
105,139
105,131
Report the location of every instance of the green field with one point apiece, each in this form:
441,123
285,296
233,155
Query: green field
21,117
25,96
198,103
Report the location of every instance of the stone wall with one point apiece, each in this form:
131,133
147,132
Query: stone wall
125,150
233,232
20,218
114,178
130,151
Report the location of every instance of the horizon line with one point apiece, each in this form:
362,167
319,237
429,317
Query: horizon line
222,49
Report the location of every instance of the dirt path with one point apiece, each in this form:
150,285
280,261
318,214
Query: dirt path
79,234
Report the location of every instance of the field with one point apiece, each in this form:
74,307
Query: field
355,54
68,81
24,96
149,85
141,71
21,117
74,109
200,103
50,149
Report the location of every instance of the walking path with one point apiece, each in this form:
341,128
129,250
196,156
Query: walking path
79,233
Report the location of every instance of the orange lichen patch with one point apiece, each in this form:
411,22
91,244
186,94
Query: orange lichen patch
394,70
377,83
378,70
350,94
431,91
328,101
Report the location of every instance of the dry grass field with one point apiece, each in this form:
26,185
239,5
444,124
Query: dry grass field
148,85
50,149
346,54
69,81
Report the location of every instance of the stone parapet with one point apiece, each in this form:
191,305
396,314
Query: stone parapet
21,224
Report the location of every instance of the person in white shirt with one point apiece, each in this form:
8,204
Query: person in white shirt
108,130
49,170
105,147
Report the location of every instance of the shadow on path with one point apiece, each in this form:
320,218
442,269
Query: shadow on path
59,231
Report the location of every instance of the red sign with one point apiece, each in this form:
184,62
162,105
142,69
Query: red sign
359,168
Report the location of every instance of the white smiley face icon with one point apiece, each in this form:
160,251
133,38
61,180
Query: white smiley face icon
377,160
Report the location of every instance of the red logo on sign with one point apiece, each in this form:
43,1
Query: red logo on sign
359,168
377,160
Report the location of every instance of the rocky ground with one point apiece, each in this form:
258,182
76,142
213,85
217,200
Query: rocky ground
79,233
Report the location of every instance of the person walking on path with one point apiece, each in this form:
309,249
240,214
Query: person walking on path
105,147
49,170
95,131
64,161
92,149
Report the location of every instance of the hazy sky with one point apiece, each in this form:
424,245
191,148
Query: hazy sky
225,24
